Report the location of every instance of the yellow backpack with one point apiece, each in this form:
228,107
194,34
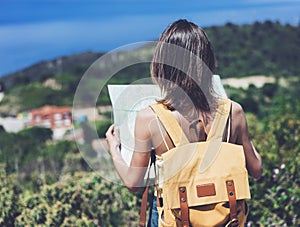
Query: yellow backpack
202,184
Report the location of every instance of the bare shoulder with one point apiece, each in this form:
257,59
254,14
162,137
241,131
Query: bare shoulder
142,127
239,123
237,111
145,115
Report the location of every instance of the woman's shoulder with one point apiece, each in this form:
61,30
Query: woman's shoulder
238,115
237,108
146,114
144,122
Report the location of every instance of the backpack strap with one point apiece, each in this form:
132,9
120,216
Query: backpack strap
143,208
216,133
222,113
170,123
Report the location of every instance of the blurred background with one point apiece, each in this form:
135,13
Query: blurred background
45,49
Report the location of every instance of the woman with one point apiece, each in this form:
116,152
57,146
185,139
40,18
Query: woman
183,65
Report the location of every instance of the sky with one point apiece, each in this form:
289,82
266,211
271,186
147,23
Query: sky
37,30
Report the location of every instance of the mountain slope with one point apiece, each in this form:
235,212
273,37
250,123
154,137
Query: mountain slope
73,64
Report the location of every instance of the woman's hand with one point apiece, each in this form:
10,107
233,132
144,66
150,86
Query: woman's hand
112,140
132,175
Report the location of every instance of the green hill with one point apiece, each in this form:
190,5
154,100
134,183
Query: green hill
268,48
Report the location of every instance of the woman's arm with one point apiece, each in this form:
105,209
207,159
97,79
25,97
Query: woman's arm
133,175
253,159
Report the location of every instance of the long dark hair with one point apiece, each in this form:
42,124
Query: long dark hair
183,65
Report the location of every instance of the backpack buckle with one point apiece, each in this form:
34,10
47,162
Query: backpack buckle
233,223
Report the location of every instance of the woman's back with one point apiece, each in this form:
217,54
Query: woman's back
195,130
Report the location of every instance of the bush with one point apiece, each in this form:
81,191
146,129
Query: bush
276,196
9,199
84,199
102,127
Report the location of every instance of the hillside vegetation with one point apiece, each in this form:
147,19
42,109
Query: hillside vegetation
261,48
45,183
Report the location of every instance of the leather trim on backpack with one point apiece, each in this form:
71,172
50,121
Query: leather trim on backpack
232,203
184,206
206,190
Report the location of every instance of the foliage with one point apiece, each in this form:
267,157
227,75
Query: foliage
20,149
276,196
34,159
102,127
82,200
85,199
35,94
261,48
9,199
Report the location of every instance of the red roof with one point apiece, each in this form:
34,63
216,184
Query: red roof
50,109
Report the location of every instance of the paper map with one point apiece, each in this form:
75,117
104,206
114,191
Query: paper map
127,100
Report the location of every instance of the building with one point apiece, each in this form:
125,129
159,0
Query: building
57,118
51,117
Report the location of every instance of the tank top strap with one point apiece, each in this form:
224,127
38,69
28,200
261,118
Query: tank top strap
220,120
170,124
